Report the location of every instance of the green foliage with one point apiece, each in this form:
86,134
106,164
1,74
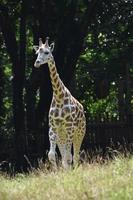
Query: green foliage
104,108
106,29
6,125
103,61
108,43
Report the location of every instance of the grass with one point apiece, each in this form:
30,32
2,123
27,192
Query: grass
112,180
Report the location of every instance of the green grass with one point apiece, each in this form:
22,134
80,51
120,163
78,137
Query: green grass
113,180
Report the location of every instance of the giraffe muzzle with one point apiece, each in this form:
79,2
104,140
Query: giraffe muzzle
37,63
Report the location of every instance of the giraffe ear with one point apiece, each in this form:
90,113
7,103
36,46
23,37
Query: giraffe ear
35,47
52,47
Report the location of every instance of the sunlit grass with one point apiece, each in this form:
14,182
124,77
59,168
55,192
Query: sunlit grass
112,180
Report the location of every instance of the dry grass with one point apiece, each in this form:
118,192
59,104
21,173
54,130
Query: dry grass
112,180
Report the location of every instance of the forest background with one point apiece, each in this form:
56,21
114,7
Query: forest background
94,56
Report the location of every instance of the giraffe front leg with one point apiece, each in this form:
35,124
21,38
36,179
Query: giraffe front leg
62,150
51,154
65,150
77,144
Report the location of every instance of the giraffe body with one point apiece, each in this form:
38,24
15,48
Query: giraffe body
67,127
67,124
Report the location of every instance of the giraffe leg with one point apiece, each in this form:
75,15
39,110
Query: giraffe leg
62,150
51,154
69,153
77,141
65,151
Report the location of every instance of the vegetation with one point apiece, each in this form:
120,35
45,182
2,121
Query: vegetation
112,180
93,50
94,56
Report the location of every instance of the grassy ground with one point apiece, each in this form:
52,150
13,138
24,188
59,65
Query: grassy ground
113,180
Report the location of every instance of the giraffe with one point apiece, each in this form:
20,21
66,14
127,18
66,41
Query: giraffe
67,123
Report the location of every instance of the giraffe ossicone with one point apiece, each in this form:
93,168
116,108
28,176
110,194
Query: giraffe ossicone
67,123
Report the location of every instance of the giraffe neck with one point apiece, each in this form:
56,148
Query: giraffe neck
57,84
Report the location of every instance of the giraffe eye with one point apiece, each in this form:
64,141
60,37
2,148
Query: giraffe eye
41,50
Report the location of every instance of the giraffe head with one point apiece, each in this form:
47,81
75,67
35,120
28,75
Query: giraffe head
44,53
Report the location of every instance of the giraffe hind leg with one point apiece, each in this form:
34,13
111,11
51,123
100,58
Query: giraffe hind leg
68,155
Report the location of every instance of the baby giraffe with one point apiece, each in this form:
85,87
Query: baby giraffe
67,123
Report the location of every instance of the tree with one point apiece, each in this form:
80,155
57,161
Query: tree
100,32
68,28
17,55
1,90
108,52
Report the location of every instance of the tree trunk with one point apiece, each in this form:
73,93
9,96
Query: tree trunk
18,70
128,95
1,92
18,95
121,101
